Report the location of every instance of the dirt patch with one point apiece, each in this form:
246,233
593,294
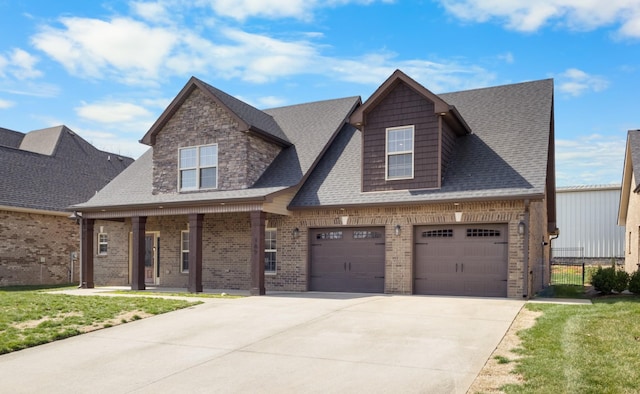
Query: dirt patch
498,371
35,323
120,319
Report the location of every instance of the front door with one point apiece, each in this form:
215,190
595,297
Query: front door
149,259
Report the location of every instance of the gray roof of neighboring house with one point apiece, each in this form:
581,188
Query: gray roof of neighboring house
10,138
506,156
634,148
310,127
72,172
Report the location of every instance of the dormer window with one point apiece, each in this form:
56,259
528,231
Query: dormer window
400,153
198,167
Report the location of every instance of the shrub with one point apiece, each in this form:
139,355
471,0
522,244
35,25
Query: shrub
634,282
604,280
621,281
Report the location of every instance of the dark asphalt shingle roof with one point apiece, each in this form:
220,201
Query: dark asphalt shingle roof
506,156
249,114
310,127
73,173
10,138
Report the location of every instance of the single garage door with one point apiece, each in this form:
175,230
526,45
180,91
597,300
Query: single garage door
347,260
468,260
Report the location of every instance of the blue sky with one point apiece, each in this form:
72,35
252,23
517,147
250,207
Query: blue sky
107,69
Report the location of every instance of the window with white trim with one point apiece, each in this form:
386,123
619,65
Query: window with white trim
103,243
399,152
270,249
198,167
184,251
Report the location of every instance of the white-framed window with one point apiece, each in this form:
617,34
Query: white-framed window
270,249
103,243
198,167
184,251
399,151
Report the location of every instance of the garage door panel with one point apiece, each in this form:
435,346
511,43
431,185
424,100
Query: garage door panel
347,260
461,260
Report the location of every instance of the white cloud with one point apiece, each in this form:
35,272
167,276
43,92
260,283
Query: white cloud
529,16
111,141
91,47
275,9
576,82
271,101
19,64
589,160
113,112
4,104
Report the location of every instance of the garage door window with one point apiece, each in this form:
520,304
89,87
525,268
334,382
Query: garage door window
482,232
330,235
366,234
446,233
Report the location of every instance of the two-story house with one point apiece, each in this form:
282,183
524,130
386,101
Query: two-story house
409,192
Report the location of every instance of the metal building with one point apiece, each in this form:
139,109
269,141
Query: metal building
587,219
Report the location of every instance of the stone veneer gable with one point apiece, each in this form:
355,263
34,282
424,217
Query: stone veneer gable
242,157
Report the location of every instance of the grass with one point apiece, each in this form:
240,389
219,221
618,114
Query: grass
29,316
582,348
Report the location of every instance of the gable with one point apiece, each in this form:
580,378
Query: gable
401,107
200,122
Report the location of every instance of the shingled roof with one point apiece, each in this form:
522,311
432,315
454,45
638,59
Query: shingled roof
310,127
505,157
54,170
247,116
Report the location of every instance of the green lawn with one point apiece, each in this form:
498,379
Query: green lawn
30,317
582,348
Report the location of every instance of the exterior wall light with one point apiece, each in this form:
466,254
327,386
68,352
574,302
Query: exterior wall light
295,233
521,228
397,229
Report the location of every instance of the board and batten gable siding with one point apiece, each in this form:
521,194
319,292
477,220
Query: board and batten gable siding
587,218
401,107
242,157
448,145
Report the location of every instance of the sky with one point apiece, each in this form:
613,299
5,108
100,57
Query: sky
108,69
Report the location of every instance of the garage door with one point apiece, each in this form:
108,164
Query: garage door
347,260
466,260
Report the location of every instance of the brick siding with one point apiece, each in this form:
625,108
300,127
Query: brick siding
36,249
227,240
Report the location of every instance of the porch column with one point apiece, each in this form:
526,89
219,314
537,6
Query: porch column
138,248
257,253
86,280
195,252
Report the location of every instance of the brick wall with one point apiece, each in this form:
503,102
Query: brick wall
36,249
227,240
242,157
632,237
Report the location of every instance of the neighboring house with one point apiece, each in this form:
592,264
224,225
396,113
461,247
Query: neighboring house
629,211
408,193
588,223
43,172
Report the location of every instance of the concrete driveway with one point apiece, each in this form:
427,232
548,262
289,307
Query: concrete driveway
282,343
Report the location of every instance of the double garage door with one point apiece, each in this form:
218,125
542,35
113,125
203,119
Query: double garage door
468,260
347,260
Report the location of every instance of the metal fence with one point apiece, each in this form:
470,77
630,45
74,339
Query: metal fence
567,266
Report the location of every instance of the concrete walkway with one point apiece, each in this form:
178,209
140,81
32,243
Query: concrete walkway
279,343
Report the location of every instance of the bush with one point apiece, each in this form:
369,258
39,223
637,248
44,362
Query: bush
604,279
621,281
634,282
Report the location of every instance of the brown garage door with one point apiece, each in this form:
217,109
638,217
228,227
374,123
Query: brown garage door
461,260
347,260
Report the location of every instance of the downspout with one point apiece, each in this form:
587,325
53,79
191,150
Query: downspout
525,251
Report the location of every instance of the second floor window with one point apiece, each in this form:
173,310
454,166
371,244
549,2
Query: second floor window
400,152
198,167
